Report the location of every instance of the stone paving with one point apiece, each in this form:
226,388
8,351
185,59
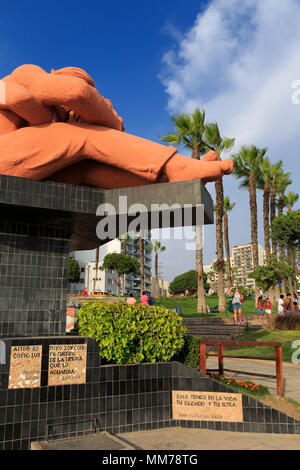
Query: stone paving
202,439
177,439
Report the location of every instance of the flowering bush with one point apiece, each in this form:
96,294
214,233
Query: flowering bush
243,385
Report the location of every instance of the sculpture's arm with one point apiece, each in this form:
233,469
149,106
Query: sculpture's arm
68,91
9,121
22,102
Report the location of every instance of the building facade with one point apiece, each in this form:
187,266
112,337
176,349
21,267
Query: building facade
103,279
242,264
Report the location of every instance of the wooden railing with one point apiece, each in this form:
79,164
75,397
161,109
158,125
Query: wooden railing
220,355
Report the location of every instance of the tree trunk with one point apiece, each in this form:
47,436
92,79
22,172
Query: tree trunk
142,261
219,238
281,245
124,275
96,270
227,249
156,289
266,216
253,214
201,305
272,216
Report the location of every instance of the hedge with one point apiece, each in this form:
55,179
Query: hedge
129,334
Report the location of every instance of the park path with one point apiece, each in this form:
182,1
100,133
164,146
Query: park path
291,373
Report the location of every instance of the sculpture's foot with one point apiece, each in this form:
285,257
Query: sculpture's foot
210,156
180,168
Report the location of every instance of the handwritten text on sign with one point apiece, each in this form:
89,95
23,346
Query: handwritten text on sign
67,364
207,406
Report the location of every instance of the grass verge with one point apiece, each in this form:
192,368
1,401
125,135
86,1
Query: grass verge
285,337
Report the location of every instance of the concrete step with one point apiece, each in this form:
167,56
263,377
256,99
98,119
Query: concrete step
216,328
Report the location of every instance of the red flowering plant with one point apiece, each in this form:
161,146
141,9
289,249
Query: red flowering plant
247,386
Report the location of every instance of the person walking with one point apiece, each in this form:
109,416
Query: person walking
237,301
260,310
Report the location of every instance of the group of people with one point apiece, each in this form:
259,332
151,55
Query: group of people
144,299
290,303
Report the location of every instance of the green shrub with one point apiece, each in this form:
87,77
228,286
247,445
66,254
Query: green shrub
132,333
190,353
290,321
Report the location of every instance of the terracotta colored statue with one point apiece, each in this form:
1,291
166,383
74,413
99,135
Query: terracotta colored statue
56,126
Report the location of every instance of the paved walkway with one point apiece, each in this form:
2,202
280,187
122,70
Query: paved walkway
202,439
291,373
177,439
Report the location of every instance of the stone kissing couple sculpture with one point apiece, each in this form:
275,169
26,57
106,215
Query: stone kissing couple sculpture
56,126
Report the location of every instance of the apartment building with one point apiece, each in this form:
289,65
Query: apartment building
103,280
243,263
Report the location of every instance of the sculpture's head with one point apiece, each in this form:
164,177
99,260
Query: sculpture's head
75,72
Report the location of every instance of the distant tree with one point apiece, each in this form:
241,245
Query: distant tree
271,273
120,264
74,270
286,229
186,281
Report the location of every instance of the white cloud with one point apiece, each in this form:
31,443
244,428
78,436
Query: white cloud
238,62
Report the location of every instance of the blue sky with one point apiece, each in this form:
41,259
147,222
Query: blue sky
120,44
237,60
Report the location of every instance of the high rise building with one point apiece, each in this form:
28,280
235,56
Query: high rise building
243,263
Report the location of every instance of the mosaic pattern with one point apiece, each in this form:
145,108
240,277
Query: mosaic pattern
117,399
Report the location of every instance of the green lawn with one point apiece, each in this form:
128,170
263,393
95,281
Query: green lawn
284,337
188,307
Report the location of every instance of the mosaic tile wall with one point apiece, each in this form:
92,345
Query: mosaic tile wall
117,399
33,277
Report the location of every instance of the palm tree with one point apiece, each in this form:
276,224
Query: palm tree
189,131
276,174
264,184
214,141
289,202
282,183
247,167
157,247
227,208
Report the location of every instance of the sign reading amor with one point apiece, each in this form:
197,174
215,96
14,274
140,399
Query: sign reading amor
25,366
67,364
207,406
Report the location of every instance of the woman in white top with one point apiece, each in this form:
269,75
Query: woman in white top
237,300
